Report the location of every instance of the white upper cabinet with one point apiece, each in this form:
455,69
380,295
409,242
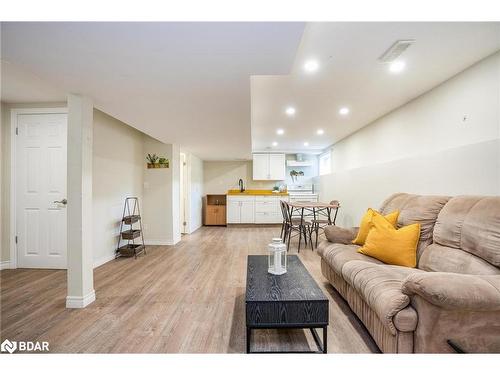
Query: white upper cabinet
269,167
277,166
261,166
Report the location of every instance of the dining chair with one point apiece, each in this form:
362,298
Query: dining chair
295,225
284,222
320,223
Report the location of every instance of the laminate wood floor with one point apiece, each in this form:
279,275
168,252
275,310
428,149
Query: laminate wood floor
187,298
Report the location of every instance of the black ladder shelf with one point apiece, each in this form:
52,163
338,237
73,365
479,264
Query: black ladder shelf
131,215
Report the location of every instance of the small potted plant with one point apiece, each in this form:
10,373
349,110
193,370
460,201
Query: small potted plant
294,174
152,160
164,163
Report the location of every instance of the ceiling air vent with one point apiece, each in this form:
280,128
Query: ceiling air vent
395,50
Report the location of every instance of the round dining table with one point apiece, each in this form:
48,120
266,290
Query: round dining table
313,210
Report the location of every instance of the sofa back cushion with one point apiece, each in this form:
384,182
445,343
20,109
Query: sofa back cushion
422,209
472,225
437,258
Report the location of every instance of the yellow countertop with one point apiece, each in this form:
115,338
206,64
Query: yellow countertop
255,192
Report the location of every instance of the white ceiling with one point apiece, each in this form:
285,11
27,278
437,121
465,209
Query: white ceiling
350,75
185,83
220,89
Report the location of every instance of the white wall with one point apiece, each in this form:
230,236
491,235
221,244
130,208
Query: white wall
118,164
446,141
161,195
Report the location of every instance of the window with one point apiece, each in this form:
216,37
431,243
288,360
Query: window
325,163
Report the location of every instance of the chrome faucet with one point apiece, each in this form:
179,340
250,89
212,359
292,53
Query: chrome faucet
240,184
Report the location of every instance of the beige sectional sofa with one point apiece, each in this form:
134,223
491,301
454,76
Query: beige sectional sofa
453,294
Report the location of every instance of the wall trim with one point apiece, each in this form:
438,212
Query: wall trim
14,112
76,302
160,242
192,230
105,259
5,265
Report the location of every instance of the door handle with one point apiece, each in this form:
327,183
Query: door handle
64,201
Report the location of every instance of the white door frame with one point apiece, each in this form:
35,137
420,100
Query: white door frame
13,124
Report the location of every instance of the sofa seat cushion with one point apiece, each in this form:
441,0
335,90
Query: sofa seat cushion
336,255
380,287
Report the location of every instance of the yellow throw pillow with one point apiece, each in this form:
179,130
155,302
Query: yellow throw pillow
391,245
365,225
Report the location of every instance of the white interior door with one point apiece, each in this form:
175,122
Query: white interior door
40,181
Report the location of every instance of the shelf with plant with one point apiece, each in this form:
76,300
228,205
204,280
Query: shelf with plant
155,161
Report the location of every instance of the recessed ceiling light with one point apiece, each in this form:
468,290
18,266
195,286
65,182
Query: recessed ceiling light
344,111
320,132
306,144
275,144
397,66
290,111
311,66
280,132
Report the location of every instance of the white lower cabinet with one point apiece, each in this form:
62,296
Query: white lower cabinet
255,209
240,210
233,210
247,213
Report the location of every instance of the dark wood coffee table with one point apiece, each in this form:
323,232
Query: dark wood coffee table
292,300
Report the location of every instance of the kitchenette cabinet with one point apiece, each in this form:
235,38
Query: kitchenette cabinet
268,166
214,208
240,210
254,209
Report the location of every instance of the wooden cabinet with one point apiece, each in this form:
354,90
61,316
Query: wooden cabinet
215,209
215,215
269,166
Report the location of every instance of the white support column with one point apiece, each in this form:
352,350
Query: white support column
80,268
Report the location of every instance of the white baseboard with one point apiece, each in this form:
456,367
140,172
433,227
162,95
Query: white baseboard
104,259
192,230
159,242
76,302
5,265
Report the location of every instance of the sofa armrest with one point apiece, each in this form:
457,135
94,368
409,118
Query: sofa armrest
337,234
453,291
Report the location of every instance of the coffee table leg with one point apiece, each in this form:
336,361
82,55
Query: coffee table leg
325,340
249,334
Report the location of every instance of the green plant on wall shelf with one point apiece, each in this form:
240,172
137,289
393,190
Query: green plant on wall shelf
152,159
294,174
163,161
155,161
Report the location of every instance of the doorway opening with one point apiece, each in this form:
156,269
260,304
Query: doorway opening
184,194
